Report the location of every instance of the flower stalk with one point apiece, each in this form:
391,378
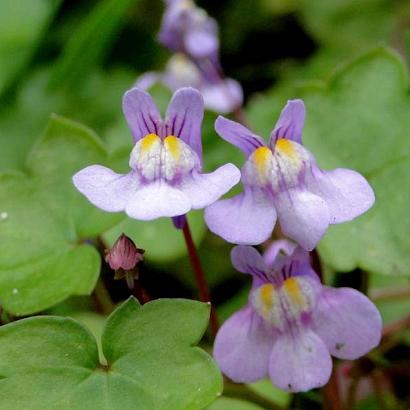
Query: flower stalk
200,278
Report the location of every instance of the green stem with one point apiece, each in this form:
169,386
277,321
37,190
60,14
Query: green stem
103,300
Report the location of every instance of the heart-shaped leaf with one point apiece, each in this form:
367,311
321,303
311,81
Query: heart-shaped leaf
45,222
152,361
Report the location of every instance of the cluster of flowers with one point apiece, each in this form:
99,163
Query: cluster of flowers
292,323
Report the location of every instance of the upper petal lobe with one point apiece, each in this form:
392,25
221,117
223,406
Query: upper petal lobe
290,123
141,113
184,118
238,135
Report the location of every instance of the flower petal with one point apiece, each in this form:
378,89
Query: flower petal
205,189
156,200
300,362
141,113
243,345
184,118
346,192
247,259
303,217
202,42
275,248
245,219
223,96
290,123
238,135
147,80
348,322
104,188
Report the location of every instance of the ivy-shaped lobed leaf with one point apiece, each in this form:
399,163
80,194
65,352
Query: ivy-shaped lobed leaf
152,361
359,120
45,223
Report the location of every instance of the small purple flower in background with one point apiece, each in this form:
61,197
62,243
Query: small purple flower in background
165,177
220,95
292,323
281,180
187,29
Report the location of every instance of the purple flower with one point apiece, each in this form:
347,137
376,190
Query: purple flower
165,177
281,180
222,95
292,324
186,28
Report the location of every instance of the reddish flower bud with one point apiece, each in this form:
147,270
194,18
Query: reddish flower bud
124,254
124,257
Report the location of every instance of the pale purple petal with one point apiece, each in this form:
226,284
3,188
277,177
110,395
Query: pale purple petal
156,200
223,96
141,113
290,123
204,189
247,259
245,219
147,80
243,345
106,189
275,248
300,361
238,135
348,322
346,192
202,42
184,118
303,216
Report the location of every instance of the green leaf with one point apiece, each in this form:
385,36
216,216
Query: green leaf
347,25
266,389
360,120
227,403
21,25
90,42
97,104
152,361
393,304
44,222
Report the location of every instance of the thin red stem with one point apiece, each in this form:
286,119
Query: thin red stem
331,393
200,278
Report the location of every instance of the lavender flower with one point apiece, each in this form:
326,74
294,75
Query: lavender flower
188,29
281,180
292,323
165,177
220,95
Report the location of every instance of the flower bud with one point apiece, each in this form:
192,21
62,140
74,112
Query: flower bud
124,258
